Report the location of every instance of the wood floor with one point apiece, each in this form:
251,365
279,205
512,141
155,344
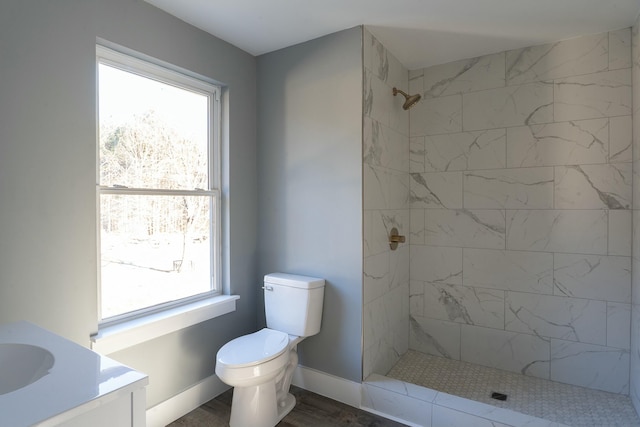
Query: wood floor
311,410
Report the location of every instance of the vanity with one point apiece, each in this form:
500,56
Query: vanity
47,380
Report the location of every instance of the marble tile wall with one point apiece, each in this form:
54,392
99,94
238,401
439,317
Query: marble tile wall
386,195
521,203
635,262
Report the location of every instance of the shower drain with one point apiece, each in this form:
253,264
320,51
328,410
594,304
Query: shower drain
498,396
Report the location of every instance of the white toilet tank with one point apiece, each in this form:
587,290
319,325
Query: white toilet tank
293,303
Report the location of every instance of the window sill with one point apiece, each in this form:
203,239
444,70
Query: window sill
127,334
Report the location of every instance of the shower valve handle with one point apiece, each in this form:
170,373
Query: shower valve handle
395,238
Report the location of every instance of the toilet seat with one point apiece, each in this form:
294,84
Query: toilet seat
253,349
253,359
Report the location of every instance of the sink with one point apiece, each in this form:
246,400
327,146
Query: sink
21,365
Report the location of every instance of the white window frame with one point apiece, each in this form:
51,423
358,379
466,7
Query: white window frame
147,323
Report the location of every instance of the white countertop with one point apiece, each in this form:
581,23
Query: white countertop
79,380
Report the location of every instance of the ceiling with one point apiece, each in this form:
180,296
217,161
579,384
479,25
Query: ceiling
419,33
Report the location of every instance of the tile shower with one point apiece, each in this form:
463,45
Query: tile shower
512,180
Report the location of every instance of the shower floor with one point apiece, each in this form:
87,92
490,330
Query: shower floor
553,401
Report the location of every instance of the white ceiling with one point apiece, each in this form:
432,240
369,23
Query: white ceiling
419,33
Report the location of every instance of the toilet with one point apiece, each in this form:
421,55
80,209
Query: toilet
260,365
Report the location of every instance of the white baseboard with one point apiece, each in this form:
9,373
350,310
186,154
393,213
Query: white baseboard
171,409
339,389
336,388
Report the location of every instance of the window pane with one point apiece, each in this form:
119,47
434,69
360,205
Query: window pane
152,134
154,249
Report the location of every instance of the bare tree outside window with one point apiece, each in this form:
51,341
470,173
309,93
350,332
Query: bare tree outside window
157,208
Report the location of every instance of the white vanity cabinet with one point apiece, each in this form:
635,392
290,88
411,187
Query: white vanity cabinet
125,410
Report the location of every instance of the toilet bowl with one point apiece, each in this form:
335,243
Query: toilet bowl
257,366
260,365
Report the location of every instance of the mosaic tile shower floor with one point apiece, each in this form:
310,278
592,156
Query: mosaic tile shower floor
567,404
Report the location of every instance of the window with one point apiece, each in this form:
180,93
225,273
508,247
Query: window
157,187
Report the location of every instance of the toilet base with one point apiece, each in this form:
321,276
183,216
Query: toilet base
286,406
257,406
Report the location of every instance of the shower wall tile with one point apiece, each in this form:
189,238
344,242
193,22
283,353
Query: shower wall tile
588,365
398,75
566,143
399,265
396,306
636,179
378,103
417,155
510,106
589,96
511,351
572,231
366,231
417,230
386,167
618,325
619,235
385,147
508,270
379,357
581,55
413,74
593,186
509,189
378,225
570,319
386,66
398,118
415,86
436,264
436,116
367,49
376,276
620,131
435,337
605,278
436,190
465,228
465,151
416,298
635,261
542,138
385,188
386,329
634,388
620,49
621,139
462,304
375,322
379,60
468,75
634,374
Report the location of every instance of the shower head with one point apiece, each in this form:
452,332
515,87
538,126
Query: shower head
410,100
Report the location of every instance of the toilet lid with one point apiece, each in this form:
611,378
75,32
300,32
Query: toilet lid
255,348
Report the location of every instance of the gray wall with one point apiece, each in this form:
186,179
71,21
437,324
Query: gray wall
310,185
47,173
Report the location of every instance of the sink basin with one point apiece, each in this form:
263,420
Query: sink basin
21,365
